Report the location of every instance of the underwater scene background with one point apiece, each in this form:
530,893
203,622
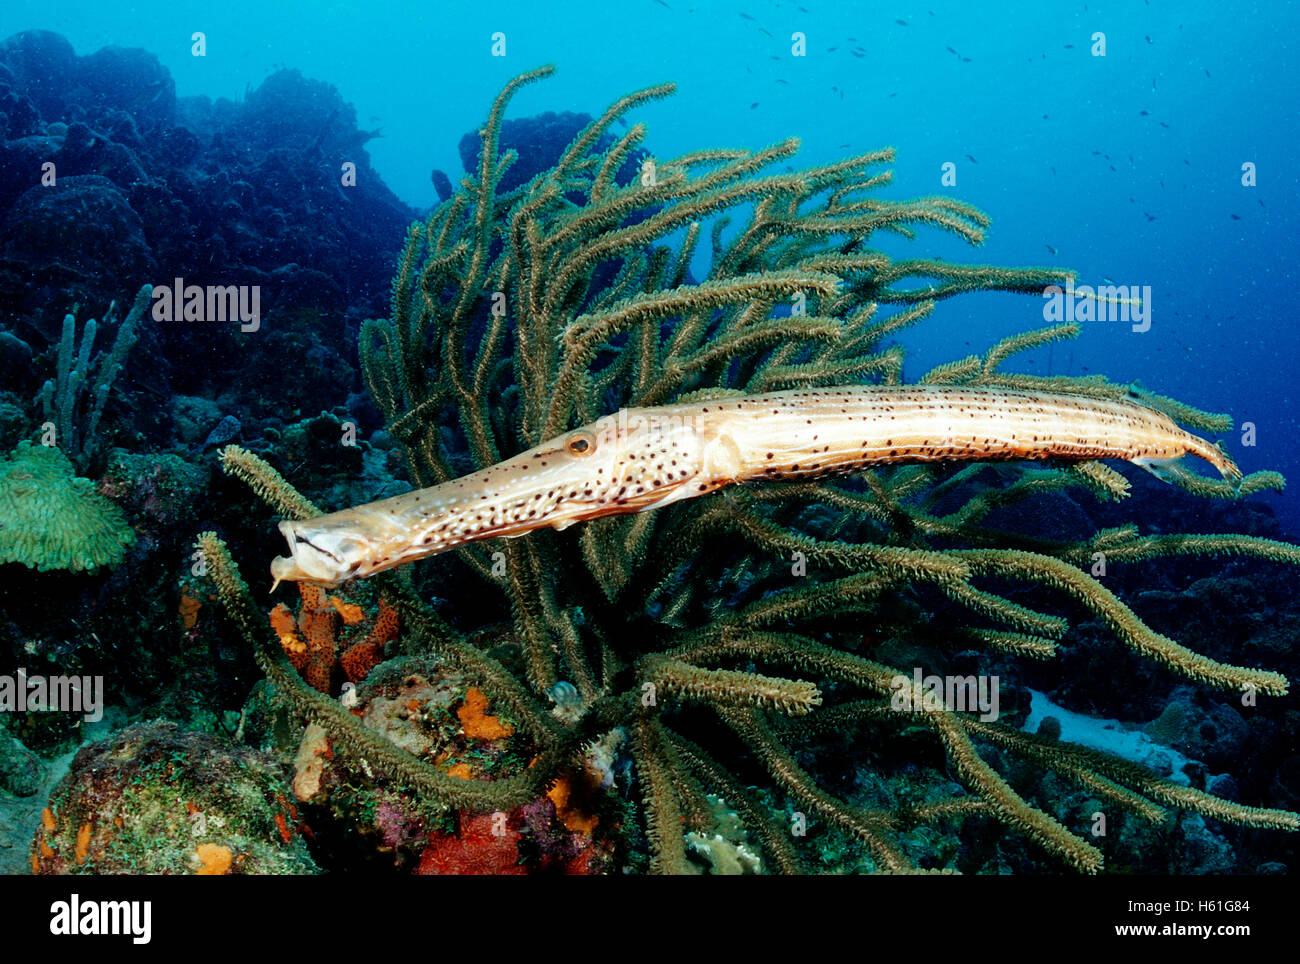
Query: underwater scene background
434,255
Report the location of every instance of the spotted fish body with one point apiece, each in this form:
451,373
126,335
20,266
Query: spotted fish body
643,458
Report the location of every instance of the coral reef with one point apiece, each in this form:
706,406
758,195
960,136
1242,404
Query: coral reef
425,707
145,186
519,314
154,799
148,183
159,493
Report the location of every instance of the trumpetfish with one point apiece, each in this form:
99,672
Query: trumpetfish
639,459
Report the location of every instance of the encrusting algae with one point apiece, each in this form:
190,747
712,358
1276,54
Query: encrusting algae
731,625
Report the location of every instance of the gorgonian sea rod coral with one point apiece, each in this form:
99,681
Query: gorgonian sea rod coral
520,316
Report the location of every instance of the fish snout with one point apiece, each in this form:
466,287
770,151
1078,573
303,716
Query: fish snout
322,558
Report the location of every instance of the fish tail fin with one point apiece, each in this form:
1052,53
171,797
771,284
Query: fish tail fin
1227,467
1173,469
1218,456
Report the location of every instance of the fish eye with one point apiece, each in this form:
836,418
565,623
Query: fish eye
583,443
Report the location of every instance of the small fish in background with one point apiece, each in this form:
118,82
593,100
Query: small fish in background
831,50
745,16
764,31
1044,117
1164,125
856,54
843,146
1207,71
965,60
1150,217
951,51
780,81
1144,113
901,23
1148,36
662,4
1153,83
1069,46
1051,249
1235,217
1261,203
1132,200
971,159
753,105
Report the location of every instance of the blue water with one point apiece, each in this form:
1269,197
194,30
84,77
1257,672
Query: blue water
1050,140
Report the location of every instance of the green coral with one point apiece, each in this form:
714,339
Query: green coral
50,519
